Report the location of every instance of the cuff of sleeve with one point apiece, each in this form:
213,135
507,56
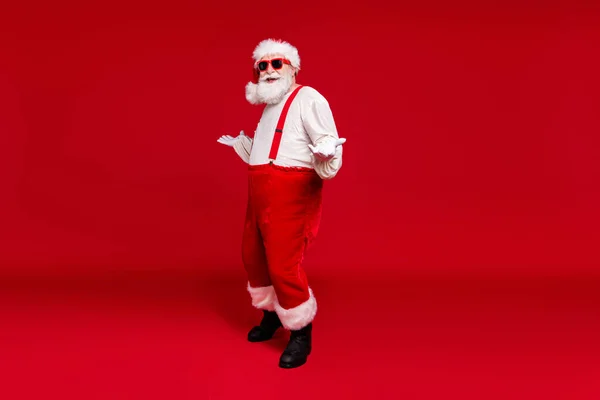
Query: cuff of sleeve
243,148
329,169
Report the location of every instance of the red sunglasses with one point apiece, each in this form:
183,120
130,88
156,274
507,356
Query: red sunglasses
276,63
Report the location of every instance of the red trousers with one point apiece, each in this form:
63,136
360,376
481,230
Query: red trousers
282,218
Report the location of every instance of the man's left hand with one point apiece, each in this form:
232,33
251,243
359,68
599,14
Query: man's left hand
326,150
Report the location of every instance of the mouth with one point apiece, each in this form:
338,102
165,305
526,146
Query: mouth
271,80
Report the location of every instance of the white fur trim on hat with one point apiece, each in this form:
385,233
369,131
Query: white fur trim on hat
263,298
299,316
271,47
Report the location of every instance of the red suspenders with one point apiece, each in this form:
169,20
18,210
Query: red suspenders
279,131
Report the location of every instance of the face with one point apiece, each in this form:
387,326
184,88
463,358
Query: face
276,77
274,68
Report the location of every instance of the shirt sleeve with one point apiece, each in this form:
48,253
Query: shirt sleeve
320,126
243,147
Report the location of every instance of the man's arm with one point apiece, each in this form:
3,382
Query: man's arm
327,145
241,144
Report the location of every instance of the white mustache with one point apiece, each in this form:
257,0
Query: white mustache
272,76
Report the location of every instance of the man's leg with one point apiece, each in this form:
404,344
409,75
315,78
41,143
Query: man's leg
296,304
292,224
261,290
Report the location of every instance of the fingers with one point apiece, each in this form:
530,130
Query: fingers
316,149
228,141
320,153
340,142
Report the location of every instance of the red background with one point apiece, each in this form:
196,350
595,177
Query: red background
473,135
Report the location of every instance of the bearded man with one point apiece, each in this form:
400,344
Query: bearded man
294,149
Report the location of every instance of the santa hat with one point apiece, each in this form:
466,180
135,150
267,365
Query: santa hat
271,46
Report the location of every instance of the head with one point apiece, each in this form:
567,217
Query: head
276,65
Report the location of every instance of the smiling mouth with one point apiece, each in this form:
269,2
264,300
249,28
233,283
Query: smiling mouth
271,80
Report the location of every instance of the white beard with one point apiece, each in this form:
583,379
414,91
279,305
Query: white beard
268,93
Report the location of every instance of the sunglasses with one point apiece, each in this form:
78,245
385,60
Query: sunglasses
276,63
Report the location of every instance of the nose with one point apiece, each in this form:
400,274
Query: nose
269,68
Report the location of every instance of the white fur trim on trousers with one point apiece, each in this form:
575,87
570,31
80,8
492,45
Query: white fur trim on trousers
299,316
263,297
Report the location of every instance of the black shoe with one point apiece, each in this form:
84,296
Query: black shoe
298,348
267,328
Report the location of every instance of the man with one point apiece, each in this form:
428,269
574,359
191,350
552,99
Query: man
295,148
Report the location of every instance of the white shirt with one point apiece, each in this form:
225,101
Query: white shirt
309,121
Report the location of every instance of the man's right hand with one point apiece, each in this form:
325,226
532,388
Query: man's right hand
228,140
